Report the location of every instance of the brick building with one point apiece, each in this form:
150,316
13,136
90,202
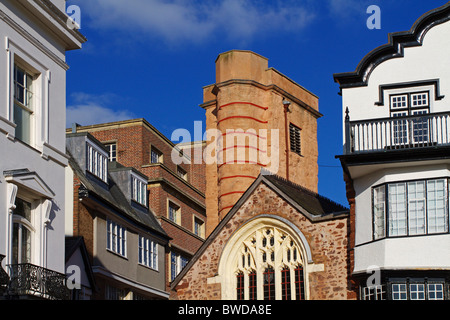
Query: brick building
107,206
175,192
271,236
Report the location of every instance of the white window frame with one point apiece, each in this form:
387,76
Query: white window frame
39,131
112,150
435,291
96,161
199,227
139,190
158,154
417,291
181,173
401,290
422,99
148,252
116,238
23,223
177,212
177,263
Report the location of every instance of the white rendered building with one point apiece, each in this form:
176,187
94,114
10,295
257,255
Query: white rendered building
396,161
34,38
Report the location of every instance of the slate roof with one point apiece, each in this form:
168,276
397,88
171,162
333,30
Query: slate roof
111,195
315,204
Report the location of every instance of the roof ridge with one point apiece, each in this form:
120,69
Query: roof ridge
302,188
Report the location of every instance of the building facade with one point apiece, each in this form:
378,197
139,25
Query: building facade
396,163
35,36
271,236
176,191
108,207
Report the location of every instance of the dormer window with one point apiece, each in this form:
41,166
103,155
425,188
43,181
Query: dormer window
97,162
139,190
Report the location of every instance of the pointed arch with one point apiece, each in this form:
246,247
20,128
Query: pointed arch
261,250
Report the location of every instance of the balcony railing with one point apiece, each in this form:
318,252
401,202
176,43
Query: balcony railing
396,133
28,279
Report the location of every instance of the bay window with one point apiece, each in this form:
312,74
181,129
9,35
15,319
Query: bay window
410,208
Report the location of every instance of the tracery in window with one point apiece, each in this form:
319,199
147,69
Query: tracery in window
269,266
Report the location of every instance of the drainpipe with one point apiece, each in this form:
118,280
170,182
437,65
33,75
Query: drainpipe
286,105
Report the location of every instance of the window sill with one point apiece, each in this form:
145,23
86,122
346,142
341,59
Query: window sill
117,254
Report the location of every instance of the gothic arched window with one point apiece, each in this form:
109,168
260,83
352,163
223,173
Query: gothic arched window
269,266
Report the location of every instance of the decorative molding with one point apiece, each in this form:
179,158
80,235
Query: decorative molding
395,47
47,207
410,84
12,193
20,30
30,181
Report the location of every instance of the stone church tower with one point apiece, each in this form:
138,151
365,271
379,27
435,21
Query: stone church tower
256,118
271,236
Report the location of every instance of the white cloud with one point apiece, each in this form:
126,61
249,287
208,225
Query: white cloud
197,20
344,9
90,109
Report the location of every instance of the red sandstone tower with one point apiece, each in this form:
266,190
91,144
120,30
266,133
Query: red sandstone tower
255,118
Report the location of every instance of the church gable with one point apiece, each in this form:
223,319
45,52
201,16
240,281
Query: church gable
319,246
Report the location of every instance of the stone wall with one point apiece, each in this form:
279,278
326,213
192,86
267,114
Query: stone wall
327,240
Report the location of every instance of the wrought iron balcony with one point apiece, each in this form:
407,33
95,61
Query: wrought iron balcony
396,133
28,279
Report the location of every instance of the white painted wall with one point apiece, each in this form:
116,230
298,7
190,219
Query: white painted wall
22,37
426,62
429,61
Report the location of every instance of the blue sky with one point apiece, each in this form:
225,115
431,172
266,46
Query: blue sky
150,58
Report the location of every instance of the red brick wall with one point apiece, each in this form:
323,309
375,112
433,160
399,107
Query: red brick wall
83,223
134,140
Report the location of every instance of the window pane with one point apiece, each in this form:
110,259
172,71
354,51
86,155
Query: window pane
436,202
252,285
299,284
240,286
286,284
399,292
269,284
399,129
417,291
420,127
22,119
435,291
26,245
399,101
379,208
397,209
23,209
15,244
416,207
173,266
